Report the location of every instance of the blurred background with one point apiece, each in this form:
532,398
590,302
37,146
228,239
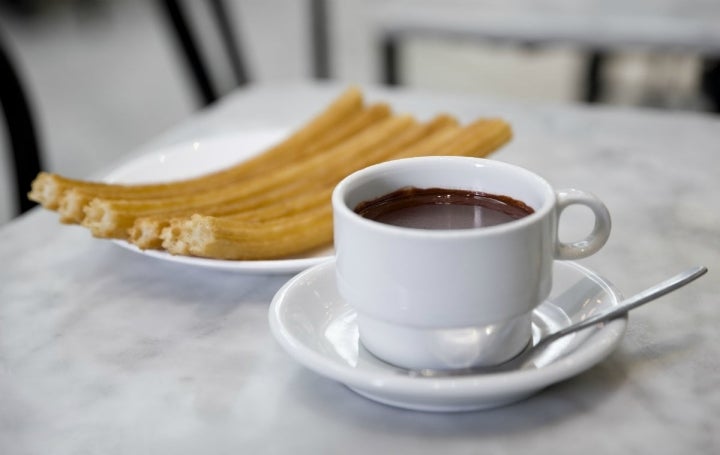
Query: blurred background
103,77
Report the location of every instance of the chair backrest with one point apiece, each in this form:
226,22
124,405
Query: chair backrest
184,31
21,131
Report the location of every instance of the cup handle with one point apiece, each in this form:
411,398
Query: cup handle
601,230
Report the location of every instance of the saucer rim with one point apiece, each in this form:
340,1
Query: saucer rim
600,343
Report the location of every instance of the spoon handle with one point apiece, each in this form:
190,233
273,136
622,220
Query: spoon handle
635,301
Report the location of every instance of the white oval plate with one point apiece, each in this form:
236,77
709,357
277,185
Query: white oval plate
199,157
317,328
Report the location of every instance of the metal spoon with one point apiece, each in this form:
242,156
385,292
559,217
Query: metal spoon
620,310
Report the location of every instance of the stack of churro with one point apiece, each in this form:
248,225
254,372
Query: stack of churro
274,205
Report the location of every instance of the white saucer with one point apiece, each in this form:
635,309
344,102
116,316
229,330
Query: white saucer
317,328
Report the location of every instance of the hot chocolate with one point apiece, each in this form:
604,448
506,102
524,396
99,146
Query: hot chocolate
441,208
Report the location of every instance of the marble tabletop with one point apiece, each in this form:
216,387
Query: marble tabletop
110,352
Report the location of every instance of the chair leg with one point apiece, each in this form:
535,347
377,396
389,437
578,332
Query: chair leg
320,44
231,40
710,82
593,77
389,61
179,24
21,132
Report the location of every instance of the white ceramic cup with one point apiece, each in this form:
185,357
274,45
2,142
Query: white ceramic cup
450,299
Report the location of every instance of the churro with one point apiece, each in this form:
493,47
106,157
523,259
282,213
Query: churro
224,238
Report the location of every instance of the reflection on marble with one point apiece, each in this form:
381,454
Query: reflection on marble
106,351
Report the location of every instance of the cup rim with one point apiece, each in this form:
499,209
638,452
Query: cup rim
341,208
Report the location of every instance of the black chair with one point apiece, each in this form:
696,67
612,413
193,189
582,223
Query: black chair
186,36
20,127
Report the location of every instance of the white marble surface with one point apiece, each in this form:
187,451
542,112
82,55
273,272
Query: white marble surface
105,351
